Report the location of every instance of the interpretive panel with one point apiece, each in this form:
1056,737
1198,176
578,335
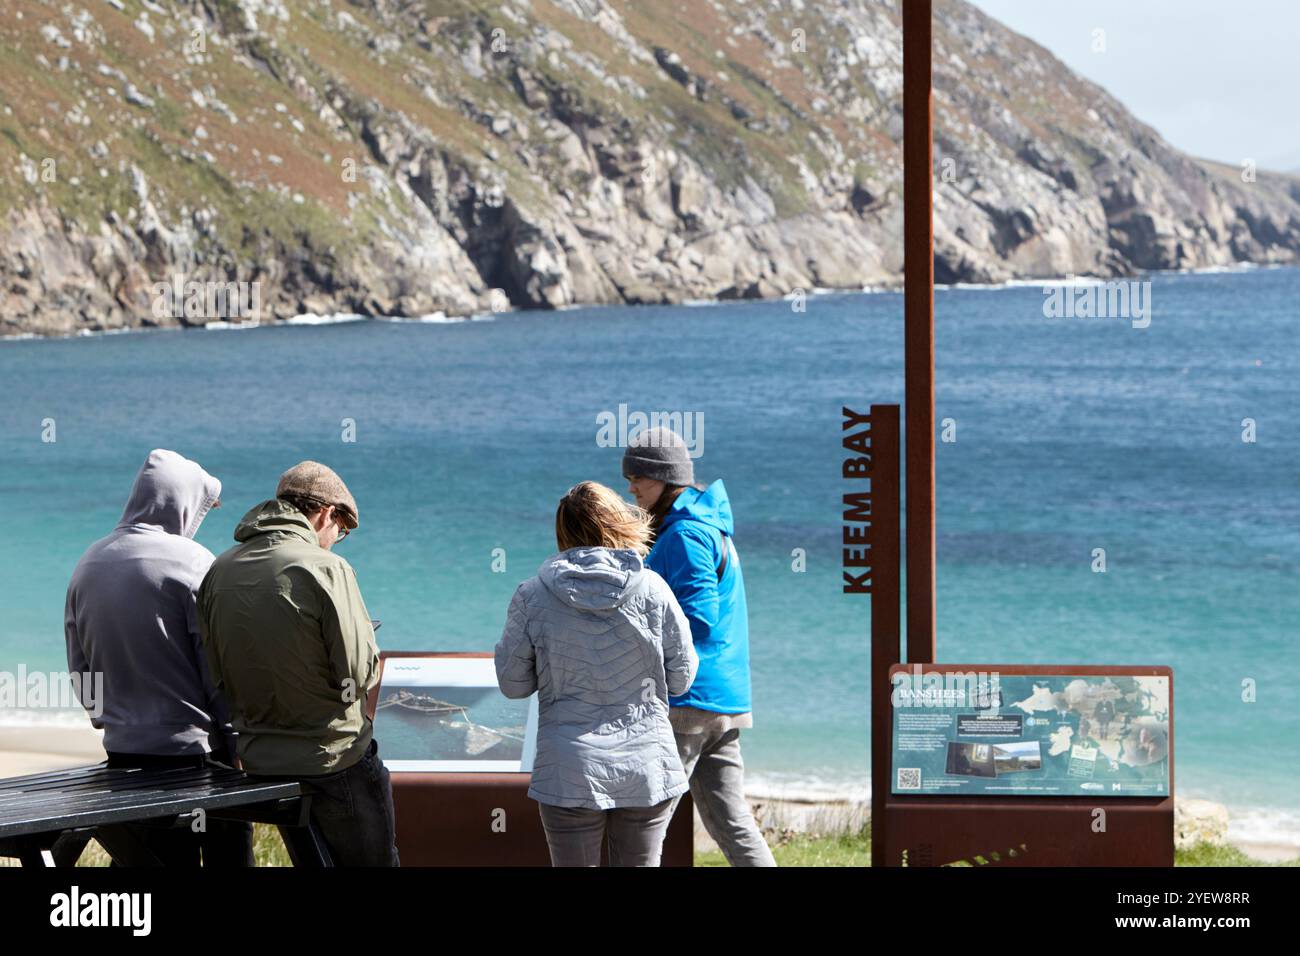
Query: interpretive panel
965,733
447,714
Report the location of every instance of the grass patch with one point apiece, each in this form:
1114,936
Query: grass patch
1207,854
849,849
855,850
852,849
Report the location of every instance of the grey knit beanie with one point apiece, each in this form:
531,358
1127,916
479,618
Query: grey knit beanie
658,453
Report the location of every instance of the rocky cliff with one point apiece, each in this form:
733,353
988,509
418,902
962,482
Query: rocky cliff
405,157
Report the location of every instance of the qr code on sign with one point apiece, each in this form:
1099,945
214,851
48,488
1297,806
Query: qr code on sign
909,778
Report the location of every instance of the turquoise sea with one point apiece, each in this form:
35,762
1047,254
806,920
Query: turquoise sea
1072,434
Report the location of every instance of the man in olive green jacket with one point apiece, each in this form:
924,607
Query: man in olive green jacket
290,645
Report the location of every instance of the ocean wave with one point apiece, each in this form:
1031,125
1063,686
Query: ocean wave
93,333
1221,270
432,318
1045,283
1089,280
808,788
974,286
334,318
792,295
223,325
1264,825
11,717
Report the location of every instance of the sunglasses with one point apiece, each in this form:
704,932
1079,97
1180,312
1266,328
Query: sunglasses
344,530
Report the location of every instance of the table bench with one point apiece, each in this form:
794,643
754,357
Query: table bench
46,819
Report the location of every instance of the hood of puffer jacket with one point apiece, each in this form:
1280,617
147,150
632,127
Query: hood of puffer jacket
592,579
171,493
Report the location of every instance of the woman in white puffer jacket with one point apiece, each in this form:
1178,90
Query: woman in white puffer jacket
603,642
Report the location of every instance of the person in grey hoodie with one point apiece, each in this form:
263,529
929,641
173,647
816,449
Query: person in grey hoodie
130,616
602,641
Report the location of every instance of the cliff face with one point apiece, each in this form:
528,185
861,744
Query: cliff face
404,158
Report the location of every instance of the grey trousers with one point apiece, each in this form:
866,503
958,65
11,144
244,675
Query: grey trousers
717,774
636,834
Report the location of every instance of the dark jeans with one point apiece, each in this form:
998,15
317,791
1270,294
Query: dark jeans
353,810
635,834
223,843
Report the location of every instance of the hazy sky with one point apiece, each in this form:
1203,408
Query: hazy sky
1217,79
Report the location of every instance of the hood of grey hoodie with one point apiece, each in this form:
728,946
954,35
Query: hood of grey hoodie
171,493
593,579
130,616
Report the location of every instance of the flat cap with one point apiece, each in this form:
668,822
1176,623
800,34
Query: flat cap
311,479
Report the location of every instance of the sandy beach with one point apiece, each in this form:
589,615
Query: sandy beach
36,749
25,750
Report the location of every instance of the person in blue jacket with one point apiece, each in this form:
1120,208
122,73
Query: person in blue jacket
694,553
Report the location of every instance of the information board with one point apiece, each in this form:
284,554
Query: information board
447,714
971,733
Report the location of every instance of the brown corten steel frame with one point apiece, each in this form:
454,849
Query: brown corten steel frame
884,602
445,819
933,830
918,328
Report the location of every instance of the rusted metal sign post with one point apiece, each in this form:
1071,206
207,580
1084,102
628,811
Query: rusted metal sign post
971,783
918,328
871,566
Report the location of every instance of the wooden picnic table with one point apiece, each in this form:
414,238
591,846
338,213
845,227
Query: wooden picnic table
46,819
